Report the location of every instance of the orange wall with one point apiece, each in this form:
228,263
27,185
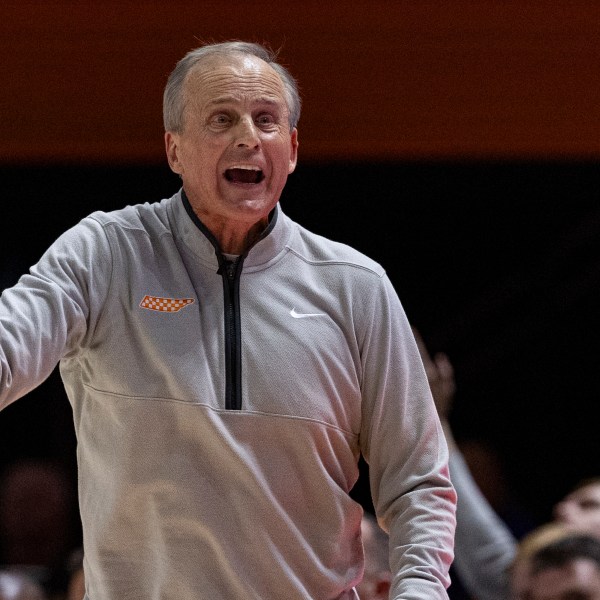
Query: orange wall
82,81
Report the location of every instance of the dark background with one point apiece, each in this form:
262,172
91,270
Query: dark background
497,263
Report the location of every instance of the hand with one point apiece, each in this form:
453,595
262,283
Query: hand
440,374
442,384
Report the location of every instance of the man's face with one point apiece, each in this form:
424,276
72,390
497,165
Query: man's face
581,509
236,149
577,580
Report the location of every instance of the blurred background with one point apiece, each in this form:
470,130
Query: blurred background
457,143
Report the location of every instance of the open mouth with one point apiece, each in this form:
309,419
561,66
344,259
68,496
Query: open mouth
244,175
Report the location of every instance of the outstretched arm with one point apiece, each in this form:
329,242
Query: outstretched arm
484,546
49,311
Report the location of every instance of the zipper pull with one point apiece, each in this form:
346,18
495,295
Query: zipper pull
231,268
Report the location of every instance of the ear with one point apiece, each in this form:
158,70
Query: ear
172,149
293,150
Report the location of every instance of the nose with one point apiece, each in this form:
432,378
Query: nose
246,134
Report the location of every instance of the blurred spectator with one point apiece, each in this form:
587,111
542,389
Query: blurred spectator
581,507
566,568
16,586
376,581
484,462
535,540
487,470
37,530
76,582
485,547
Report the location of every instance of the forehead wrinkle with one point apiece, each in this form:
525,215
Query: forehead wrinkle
269,100
241,75
225,88
233,81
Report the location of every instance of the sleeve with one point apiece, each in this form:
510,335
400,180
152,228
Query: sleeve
52,310
485,548
403,443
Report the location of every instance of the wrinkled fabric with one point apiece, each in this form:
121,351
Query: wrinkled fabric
182,498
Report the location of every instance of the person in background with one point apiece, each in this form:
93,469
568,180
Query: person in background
18,586
227,368
566,568
487,468
76,579
580,508
536,539
377,578
38,513
485,547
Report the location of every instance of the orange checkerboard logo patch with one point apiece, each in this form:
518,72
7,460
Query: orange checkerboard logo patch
170,305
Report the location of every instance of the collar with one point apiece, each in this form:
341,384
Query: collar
270,247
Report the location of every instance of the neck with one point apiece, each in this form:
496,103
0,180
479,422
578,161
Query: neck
236,240
232,236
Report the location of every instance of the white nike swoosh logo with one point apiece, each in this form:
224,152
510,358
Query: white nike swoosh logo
297,315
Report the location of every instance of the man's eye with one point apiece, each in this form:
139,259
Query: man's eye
263,120
220,119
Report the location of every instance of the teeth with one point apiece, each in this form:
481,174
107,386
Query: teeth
246,167
253,174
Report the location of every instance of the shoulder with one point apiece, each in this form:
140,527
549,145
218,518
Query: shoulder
97,233
320,251
147,217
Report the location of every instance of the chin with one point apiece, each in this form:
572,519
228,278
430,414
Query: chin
253,206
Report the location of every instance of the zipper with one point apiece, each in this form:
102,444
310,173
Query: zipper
230,271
